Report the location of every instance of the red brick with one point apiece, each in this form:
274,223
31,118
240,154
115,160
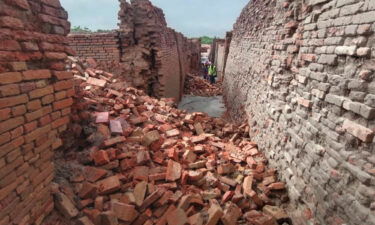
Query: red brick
62,104
54,3
19,110
18,66
55,115
363,133
93,174
12,101
63,75
100,157
4,138
34,105
60,95
55,55
48,99
177,217
64,84
308,57
10,77
45,120
30,126
34,115
174,171
214,214
17,132
10,22
9,45
37,133
19,3
36,74
41,92
11,124
70,93
247,185
102,117
60,122
88,190
108,185
10,89
124,212
5,114
65,111
96,82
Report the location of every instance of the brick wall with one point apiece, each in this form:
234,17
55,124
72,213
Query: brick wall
103,47
35,95
303,71
147,53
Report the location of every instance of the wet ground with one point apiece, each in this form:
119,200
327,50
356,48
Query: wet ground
213,106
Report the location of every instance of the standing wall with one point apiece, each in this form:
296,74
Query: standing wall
35,99
303,71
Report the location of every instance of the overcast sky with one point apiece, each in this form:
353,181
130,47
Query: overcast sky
192,17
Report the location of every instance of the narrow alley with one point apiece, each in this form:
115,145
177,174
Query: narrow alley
271,124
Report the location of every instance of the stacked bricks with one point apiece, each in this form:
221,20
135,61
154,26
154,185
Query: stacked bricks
303,71
35,99
103,47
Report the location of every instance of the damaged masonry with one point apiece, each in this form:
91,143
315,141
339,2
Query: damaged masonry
90,132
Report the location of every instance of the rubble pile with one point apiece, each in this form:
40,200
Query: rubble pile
195,85
142,161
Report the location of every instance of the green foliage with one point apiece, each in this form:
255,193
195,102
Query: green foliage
79,29
206,40
103,30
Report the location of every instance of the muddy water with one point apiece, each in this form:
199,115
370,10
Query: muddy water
213,106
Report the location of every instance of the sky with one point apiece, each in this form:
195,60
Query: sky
194,18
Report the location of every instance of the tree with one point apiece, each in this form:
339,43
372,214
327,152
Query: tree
206,40
79,29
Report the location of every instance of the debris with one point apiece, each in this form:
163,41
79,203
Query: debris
146,162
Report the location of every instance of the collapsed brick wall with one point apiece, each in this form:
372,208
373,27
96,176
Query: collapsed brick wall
150,55
157,56
103,47
34,105
303,71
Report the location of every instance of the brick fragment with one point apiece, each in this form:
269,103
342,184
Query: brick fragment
96,82
65,206
108,185
174,171
150,137
177,217
140,192
359,131
124,212
107,218
93,174
231,214
214,214
102,117
115,126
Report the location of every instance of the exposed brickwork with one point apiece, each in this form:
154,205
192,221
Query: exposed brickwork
33,47
150,55
303,72
157,57
103,47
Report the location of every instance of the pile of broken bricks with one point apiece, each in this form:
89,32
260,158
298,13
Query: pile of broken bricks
195,85
138,160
